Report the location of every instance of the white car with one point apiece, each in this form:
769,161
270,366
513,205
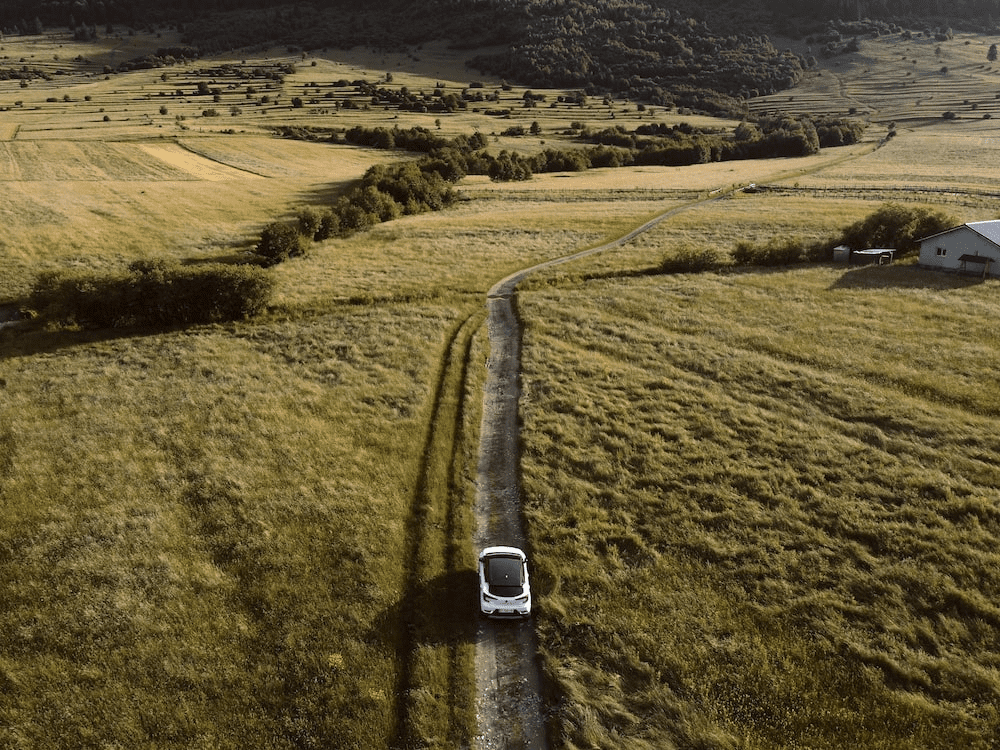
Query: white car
503,582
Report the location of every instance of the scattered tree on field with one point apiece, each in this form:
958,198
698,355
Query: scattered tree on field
895,226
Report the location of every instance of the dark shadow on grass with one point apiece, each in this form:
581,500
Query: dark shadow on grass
903,276
324,197
31,337
241,255
441,610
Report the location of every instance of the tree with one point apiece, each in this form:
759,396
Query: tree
896,226
279,242
992,54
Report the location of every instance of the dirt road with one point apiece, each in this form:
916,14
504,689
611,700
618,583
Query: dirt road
508,681
509,711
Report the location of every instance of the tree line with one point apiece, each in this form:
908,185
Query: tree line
891,225
769,137
152,293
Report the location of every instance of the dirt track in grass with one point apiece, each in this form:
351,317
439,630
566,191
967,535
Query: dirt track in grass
508,679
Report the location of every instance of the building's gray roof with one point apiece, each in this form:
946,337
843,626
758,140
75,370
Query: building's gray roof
989,230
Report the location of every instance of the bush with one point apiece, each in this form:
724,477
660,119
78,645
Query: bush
153,293
378,204
279,242
691,260
776,252
310,222
329,226
353,218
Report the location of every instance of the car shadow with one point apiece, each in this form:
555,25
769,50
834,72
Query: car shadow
442,609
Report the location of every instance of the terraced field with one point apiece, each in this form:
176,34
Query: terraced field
894,79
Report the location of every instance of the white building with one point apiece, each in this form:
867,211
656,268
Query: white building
971,248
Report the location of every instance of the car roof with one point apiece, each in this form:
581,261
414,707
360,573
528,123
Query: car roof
505,570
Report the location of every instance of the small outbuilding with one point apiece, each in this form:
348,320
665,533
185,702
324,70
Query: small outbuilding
876,256
868,257
972,248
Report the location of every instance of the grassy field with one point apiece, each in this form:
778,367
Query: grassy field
895,79
234,536
734,481
764,509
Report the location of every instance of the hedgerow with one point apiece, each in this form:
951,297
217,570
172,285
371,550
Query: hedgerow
775,252
387,192
152,293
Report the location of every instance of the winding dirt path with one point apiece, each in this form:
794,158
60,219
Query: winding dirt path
508,680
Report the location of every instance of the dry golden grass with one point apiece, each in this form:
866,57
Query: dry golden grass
892,79
211,538
763,509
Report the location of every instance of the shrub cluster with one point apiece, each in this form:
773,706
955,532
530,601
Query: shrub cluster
777,252
153,293
682,144
891,226
279,242
691,259
385,192
896,226
417,139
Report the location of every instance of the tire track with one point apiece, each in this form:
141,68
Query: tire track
432,629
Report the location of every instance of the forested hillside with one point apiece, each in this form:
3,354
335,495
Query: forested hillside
646,52
726,16
707,55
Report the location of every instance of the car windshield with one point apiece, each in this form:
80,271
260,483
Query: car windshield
504,576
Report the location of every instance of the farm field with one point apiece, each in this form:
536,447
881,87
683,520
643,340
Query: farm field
895,79
209,534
